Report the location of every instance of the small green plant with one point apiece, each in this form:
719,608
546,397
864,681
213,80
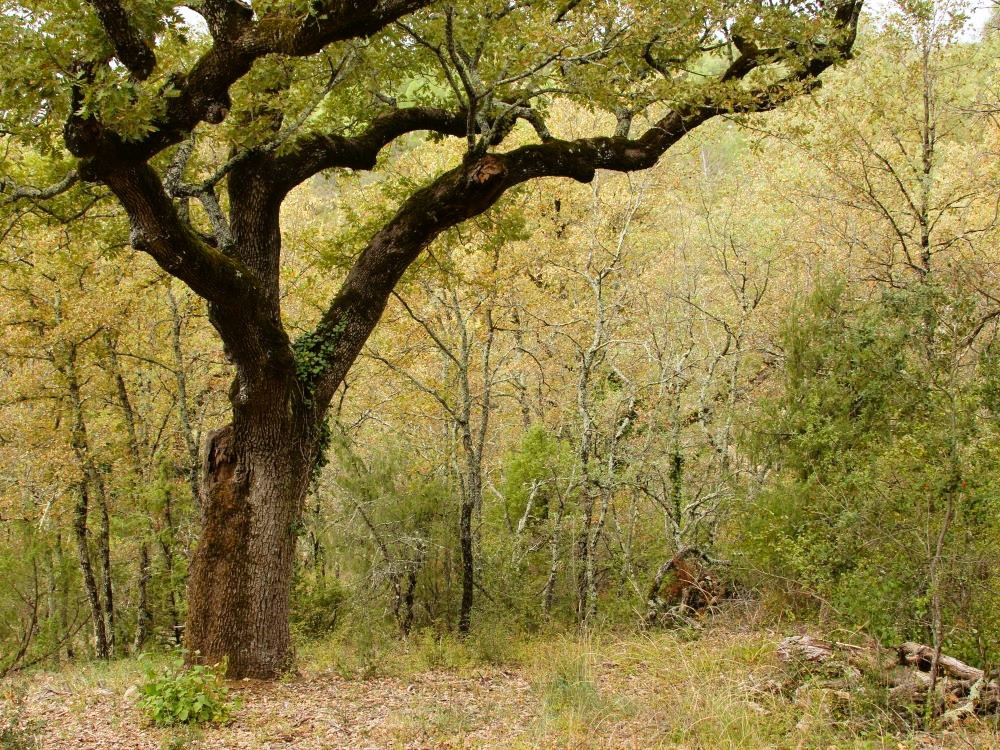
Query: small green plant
182,738
186,695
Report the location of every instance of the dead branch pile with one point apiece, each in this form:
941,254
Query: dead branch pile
914,674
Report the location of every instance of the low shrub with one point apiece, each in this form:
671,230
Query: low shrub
186,695
317,607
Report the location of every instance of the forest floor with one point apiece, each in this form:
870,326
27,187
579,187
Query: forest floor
714,688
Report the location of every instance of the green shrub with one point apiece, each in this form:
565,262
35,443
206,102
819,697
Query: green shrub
496,642
317,607
881,502
186,695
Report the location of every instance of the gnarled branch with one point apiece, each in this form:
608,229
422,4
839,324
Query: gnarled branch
314,152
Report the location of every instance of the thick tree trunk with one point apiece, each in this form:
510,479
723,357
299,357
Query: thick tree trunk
254,482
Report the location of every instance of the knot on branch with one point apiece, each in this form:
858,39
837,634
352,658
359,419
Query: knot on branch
88,170
211,106
138,239
484,181
216,112
82,135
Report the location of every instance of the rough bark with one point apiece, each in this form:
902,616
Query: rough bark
468,567
255,479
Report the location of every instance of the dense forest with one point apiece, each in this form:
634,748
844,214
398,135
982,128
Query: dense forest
756,370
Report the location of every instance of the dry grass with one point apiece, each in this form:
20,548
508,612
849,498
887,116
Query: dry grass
722,689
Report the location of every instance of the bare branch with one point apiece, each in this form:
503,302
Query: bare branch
20,192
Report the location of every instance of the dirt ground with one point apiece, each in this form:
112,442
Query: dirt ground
429,711
718,690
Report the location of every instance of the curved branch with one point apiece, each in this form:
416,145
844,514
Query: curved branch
206,87
236,302
314,152
19,192
477,184
202,94
130,48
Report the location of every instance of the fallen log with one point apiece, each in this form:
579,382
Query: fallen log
807,648
922,657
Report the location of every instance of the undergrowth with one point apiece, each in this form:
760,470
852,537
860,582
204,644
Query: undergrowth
17,732
195,694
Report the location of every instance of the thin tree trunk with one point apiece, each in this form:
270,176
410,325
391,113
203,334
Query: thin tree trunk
583,547
104,545
548,593
168,538
166,541
406,623
468,565
473,445
101,649
180,373
144,617
103,620
63,598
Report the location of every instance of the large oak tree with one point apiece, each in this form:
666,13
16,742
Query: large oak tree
200,131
